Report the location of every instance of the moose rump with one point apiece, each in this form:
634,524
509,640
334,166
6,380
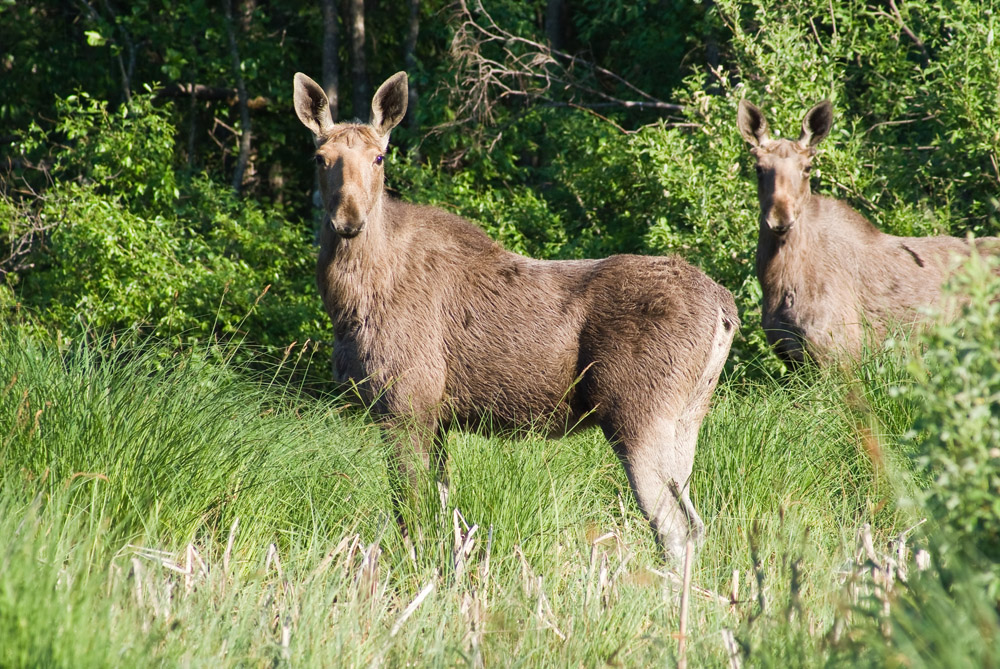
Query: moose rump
439,325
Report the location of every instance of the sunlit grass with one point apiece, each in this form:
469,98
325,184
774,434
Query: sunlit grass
174,509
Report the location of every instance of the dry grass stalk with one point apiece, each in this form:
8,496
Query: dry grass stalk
286,638
417,601
474,604
602,581
473,608
543,611
867,543
464,543
590,578
673,579
367,579
346,544
137,574
485,566
732,649
229,546
194,567
526,575
272,558
685,604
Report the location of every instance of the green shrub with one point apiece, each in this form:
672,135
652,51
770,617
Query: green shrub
957,432
125,154
108,268
139,244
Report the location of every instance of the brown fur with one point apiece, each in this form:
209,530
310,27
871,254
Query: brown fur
439,325
827,273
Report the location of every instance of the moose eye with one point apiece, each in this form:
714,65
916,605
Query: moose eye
808,169
320,160
758,169
378,159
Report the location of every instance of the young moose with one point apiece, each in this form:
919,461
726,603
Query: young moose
439,325
826,272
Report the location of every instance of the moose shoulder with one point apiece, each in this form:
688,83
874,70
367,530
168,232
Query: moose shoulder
827,274
439,325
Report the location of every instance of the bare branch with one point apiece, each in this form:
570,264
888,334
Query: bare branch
230,96
28,228
518,68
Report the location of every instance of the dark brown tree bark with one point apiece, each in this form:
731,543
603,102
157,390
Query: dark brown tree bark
361,93
555,23
331,56
241,89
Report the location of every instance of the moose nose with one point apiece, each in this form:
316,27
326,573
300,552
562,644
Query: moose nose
781,224
347,229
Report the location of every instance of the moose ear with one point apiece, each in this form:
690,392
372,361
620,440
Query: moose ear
816,124
389,104
751,122
312,107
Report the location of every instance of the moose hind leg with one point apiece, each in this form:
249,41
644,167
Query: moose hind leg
439,459
658,464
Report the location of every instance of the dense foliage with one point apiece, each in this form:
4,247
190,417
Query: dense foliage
178,255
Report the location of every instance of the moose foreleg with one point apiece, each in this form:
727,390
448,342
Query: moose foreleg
417,469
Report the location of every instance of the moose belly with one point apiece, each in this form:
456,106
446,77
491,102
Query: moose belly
506,384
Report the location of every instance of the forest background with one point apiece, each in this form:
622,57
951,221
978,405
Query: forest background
154,176
157,189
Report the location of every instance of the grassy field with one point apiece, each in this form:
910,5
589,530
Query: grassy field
172,509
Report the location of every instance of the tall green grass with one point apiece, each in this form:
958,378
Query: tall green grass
164,508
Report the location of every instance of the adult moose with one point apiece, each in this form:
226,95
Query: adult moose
439,325
828,275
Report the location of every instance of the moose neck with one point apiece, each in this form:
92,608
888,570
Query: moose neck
355,271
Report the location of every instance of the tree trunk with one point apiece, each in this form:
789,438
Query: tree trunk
555,23
360,89
410,63
331,56
241,89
